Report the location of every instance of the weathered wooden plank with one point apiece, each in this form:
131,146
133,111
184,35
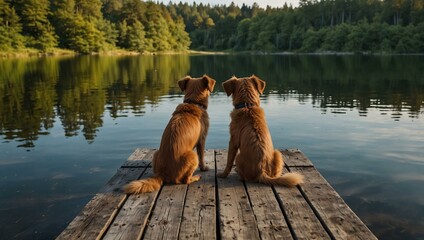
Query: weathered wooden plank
295,158
133,216
302,219
96,216
167,214
199,220
269,217
246,210
340,220
141,157
236,217
139,153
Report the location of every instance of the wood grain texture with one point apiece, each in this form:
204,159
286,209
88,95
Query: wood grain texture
96,216
216,208
141,157
341,221
294,157
301,217
236,217
199,220
269,217
167,214
132,218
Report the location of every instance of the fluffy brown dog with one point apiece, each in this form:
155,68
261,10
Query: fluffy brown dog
175,161
257,160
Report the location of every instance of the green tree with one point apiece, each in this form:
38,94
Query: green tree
112,9
180,38
136,37
81,26
410,42
313,40
327,25
36,26
336,38
157,30
296,39
242,34
10,28
356,38
417,12
123,34
287,24
83,36
63,16
209,23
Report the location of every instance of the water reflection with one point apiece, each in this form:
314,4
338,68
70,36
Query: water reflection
359,118
76,92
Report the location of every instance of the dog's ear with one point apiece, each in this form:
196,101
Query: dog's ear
229,85
259,83
209,82
183,83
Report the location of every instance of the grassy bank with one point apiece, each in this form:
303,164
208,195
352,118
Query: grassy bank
30,52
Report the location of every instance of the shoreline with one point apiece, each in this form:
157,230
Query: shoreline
59,52
29,52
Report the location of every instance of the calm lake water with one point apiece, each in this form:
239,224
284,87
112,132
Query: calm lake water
67,124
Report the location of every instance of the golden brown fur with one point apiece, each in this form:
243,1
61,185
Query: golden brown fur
175,161
250,141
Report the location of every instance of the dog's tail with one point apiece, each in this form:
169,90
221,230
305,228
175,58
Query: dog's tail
143,185
287,179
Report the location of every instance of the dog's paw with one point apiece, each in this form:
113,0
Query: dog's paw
204,168
222,175
195,178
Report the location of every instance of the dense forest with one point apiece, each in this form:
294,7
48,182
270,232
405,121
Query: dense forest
86,26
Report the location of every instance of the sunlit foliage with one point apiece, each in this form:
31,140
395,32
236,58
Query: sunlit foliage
87,26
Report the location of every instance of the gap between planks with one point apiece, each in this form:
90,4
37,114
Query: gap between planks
228,209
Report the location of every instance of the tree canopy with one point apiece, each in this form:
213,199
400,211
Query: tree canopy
86,26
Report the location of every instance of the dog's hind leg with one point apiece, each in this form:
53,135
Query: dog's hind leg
277,164
200,148
188,164
233,148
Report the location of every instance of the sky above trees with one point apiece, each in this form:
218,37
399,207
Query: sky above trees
261,3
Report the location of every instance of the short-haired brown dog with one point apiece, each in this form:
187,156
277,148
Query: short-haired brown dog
257,160
175,161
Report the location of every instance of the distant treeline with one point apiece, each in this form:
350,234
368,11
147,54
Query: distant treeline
89,26
391,26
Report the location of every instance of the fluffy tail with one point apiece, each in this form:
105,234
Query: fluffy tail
287,179
144,185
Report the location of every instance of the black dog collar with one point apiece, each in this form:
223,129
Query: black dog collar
195,103
244,105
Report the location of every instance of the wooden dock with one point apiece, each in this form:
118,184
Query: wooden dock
216,208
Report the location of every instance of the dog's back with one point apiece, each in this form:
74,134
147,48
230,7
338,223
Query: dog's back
250,130
175,161
256,160
180,135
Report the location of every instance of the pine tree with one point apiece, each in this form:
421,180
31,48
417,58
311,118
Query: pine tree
36,26
180,40
10,28
136,37
83,36
81,26
157,30
63,16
